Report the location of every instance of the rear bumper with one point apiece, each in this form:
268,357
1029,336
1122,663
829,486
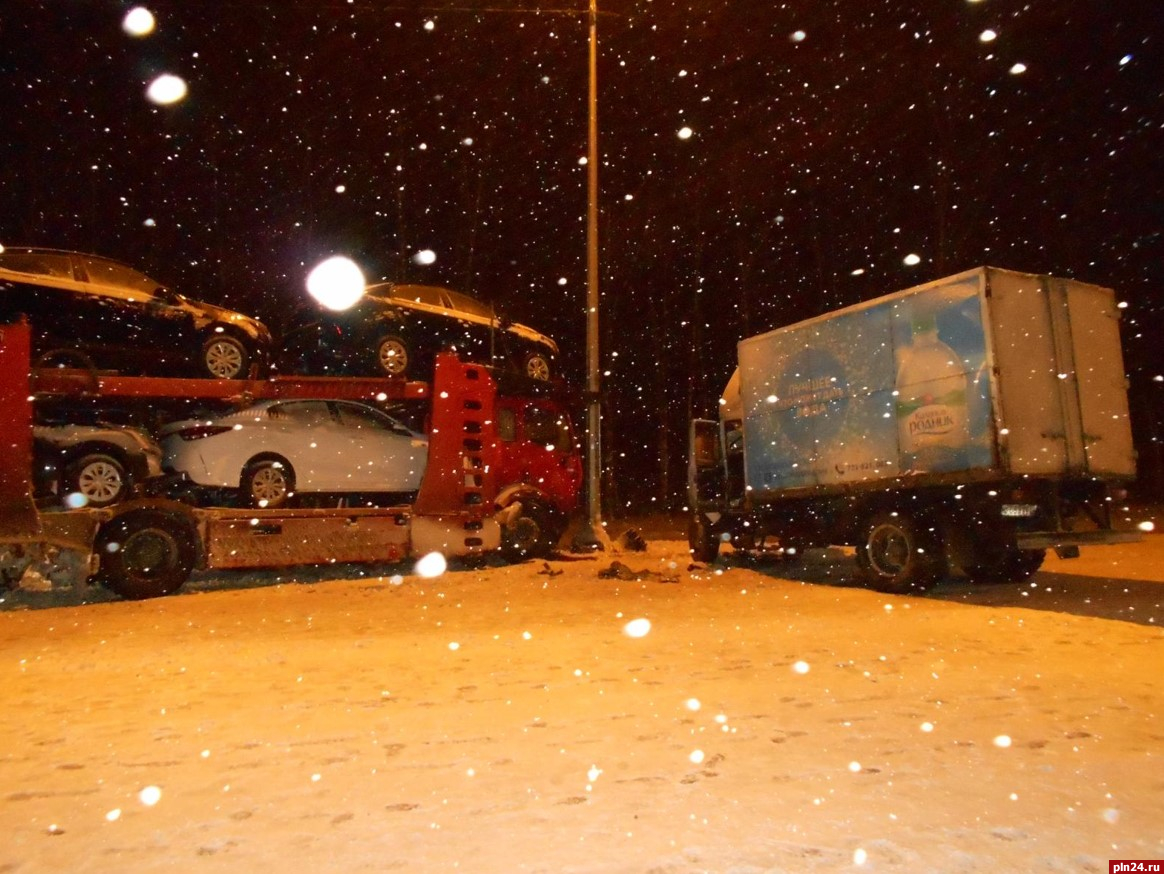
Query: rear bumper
1057,539
144,467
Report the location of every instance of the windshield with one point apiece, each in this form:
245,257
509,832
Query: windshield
110,273
466,304
424,294
547,427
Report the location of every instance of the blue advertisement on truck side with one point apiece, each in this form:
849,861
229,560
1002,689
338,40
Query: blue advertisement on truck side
896,388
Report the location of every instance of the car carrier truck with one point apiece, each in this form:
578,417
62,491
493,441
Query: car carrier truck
148,547
971,422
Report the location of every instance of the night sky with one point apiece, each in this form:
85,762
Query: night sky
828,142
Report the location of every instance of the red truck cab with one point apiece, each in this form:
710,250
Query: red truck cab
539,471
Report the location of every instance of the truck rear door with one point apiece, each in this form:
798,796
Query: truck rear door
1104,421
1059,365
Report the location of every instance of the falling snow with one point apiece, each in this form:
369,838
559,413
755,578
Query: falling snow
166,88
760,165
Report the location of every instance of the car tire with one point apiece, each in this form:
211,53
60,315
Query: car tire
392,356
899,555
146,553
98,477
537,366
225,357
267,483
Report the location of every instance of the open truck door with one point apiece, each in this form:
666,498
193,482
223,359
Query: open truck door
706,480
706,473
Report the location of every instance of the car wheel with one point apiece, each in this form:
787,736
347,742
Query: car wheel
392,356
98,478
268,483
537,366
899,555
532,534
146,553
225,357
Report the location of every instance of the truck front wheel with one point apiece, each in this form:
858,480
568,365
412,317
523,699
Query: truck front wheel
704,542
899,555
532,534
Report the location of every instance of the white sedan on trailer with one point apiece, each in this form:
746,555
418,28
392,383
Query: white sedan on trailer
274,449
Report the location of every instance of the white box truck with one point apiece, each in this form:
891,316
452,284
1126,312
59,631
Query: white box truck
971,422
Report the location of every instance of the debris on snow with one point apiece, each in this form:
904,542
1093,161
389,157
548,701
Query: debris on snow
619,571
632,540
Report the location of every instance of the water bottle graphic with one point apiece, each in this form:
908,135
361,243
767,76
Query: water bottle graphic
932,416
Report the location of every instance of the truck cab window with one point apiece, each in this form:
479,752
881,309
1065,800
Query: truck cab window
545,427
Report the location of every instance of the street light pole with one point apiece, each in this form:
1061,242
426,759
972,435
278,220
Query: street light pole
596,536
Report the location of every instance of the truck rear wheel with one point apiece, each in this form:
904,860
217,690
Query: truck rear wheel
1011,566
899,555
146,553
703,542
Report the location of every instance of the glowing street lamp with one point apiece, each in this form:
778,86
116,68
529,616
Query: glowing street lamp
337,283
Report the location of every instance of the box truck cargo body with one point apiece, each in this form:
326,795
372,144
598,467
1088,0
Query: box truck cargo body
976,420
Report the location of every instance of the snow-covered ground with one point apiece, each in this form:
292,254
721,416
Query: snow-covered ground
762,718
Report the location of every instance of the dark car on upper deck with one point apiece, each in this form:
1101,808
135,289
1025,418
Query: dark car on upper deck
397,329
86,310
